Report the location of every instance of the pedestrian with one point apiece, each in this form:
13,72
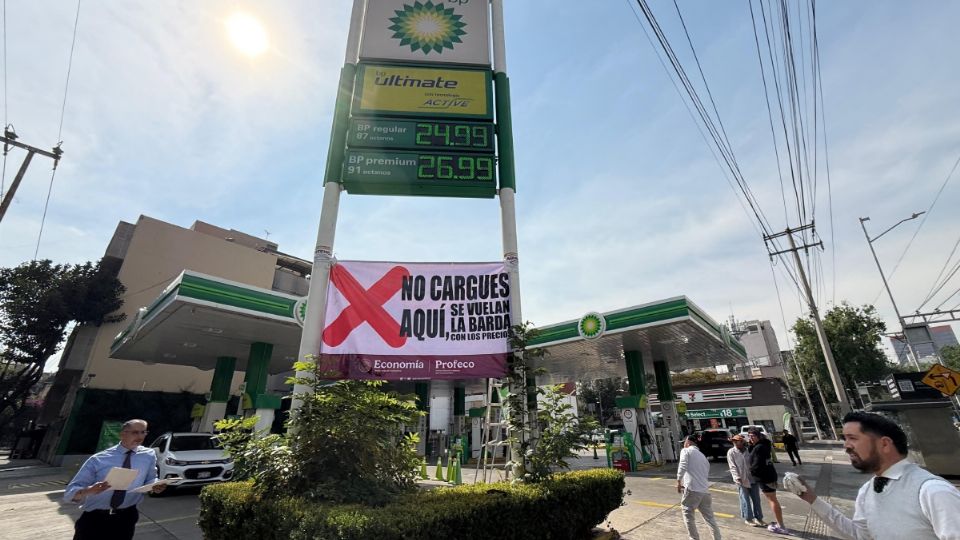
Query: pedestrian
693,486
763,473
792,445
108,513
901,500
750,508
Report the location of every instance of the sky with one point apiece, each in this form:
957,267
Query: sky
619,200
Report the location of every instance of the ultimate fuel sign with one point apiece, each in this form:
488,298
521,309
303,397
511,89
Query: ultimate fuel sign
422,102
423,92
399,321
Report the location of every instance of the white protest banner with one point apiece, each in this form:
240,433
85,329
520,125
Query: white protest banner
400,321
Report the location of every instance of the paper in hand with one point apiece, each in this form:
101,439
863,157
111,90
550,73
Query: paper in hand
165,482
120,478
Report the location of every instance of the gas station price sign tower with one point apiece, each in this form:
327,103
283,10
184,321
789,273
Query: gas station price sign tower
422,109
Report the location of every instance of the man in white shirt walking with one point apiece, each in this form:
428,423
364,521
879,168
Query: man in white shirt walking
693,484
902,500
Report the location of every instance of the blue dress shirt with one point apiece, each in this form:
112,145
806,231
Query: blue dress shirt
95,469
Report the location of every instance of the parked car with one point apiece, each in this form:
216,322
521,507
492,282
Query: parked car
197,458
745,429
715,443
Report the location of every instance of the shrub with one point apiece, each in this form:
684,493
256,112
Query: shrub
565,506
346,444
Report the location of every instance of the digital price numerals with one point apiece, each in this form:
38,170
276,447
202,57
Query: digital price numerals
459,136
455,167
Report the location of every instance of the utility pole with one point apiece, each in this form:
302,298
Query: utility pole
826,409
842,399
806,394
10,140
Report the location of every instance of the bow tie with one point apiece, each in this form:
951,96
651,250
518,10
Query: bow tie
879,483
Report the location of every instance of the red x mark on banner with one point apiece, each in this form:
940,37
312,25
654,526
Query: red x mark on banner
366,305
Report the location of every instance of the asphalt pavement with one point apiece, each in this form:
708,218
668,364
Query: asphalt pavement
31,507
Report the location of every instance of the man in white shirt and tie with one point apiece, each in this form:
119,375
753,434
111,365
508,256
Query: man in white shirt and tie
902,500
693,484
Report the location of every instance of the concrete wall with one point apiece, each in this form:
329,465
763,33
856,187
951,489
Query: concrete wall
156,254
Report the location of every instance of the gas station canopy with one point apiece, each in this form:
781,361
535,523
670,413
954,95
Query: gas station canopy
198,318
674,330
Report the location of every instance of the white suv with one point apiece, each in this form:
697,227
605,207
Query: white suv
745,429
197,458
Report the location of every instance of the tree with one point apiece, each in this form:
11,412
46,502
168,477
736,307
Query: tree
346,444
951,356
562,435
698,376
855,334
604,391
38,300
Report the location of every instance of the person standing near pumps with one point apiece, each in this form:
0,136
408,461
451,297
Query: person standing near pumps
902,500
750,509
763,473
792,446
108,513
693,484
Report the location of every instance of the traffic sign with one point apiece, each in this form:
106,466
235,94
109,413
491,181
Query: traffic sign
943,379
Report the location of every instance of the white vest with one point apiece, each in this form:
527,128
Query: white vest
895,513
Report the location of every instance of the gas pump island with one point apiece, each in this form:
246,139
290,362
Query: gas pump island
669,335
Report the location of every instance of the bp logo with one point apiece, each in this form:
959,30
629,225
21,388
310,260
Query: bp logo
426,27
591,325
300,311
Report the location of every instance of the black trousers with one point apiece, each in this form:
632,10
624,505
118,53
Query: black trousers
794,455
102,525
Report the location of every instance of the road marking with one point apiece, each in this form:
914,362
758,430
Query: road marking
665,505
724,491
655,504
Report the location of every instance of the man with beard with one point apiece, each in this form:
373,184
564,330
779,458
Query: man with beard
901,500
762,472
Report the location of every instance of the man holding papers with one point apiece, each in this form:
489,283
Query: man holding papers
104,486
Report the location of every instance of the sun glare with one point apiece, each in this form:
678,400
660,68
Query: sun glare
247,34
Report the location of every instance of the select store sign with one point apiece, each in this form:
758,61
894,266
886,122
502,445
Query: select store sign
715,413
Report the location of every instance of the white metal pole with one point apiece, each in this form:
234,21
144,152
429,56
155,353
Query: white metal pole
910,350
326,231
508,217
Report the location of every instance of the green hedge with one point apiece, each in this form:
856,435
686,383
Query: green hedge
565,507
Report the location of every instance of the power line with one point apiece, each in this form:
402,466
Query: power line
766,97
63,110
696,124
721,142
917,231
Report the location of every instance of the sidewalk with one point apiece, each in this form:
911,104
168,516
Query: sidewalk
31,507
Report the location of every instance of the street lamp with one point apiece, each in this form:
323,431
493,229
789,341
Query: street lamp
906,338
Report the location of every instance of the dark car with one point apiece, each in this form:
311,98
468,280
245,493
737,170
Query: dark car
715,443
